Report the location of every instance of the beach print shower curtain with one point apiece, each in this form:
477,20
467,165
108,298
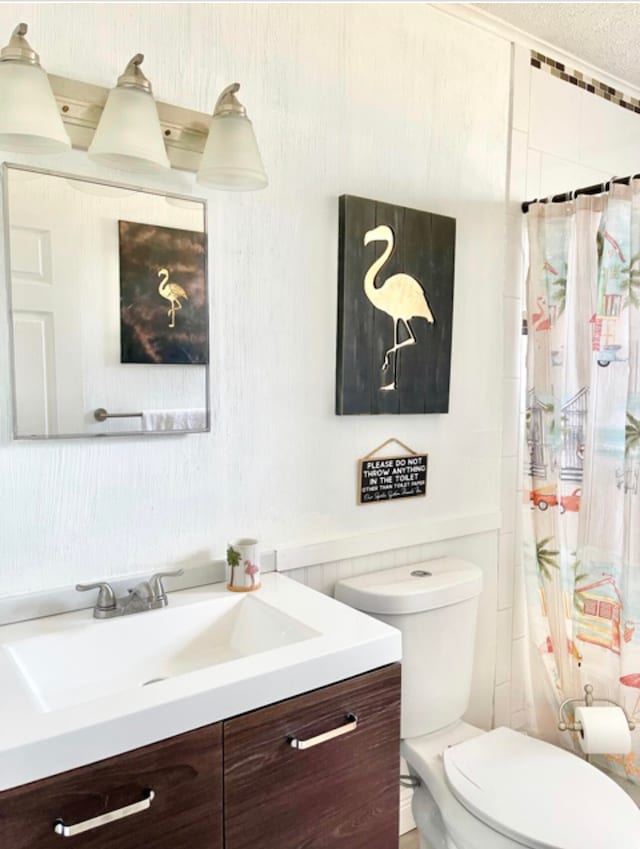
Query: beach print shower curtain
582,475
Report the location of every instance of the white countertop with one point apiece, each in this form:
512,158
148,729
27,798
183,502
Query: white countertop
36,742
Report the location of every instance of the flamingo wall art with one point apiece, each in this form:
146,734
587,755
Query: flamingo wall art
164,316
395,307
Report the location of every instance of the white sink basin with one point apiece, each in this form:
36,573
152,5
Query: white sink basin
72,687
110,656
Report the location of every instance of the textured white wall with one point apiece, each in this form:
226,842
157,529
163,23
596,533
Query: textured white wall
401,103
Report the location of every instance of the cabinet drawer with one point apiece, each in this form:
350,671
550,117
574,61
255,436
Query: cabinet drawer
184,774
342,792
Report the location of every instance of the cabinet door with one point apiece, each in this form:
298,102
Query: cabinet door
341,793
183,773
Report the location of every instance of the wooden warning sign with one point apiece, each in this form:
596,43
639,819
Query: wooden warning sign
387,478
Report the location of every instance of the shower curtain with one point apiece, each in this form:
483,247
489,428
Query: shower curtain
582,476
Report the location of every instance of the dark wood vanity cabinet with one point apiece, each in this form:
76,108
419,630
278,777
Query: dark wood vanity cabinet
184,773
238,784
339,793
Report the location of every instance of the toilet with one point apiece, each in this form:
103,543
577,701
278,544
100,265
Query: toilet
478,789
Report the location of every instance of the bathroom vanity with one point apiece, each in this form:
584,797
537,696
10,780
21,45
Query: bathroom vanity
299,745
237,783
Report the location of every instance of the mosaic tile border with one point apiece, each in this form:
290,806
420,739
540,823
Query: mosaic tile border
577,78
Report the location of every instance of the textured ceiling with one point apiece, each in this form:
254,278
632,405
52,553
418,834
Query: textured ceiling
606,35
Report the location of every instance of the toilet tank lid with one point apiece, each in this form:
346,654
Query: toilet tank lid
413,588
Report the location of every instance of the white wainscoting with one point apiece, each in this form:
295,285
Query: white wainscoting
388,539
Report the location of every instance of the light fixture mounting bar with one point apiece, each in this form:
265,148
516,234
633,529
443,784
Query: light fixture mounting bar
81,104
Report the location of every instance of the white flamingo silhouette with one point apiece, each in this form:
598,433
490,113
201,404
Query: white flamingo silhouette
401,296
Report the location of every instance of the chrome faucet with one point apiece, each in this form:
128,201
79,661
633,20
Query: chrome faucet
147,595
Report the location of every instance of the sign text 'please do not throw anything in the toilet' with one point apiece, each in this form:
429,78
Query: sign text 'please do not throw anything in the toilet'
386,478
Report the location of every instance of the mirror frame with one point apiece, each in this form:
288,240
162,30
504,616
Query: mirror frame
6,168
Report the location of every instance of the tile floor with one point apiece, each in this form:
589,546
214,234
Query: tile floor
409,840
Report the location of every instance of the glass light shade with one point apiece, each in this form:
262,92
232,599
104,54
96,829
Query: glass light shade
129,136
231,159
29,118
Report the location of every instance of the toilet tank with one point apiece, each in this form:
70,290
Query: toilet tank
434,604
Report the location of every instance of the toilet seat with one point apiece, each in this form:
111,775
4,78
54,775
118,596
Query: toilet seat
540,795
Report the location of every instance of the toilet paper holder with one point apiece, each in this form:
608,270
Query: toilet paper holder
589,700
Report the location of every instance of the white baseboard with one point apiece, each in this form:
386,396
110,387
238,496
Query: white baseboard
407,823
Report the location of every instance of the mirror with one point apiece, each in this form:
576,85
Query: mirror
108,307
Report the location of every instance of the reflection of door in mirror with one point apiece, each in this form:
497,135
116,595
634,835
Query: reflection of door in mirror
47,349
69,308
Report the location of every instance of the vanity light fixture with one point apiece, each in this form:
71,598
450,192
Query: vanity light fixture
30,121
129,136
124,128
231,158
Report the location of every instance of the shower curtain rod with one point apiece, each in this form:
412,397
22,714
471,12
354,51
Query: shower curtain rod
586,190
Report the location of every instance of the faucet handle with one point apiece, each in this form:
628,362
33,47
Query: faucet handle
158,592
106,596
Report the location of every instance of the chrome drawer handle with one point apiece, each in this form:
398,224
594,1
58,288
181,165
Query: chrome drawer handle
71,830
351,725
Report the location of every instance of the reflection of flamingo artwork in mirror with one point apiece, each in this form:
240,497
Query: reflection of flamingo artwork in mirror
395,309
163,295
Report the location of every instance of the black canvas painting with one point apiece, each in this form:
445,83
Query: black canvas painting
164,315
395,309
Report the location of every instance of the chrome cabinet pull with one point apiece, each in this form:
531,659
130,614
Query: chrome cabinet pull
71,830
351,725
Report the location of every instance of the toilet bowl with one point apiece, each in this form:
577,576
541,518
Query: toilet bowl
478,789
437,813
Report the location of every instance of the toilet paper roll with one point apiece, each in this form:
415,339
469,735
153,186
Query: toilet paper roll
604,730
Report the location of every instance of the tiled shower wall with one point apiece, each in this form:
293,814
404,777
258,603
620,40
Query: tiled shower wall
570,127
